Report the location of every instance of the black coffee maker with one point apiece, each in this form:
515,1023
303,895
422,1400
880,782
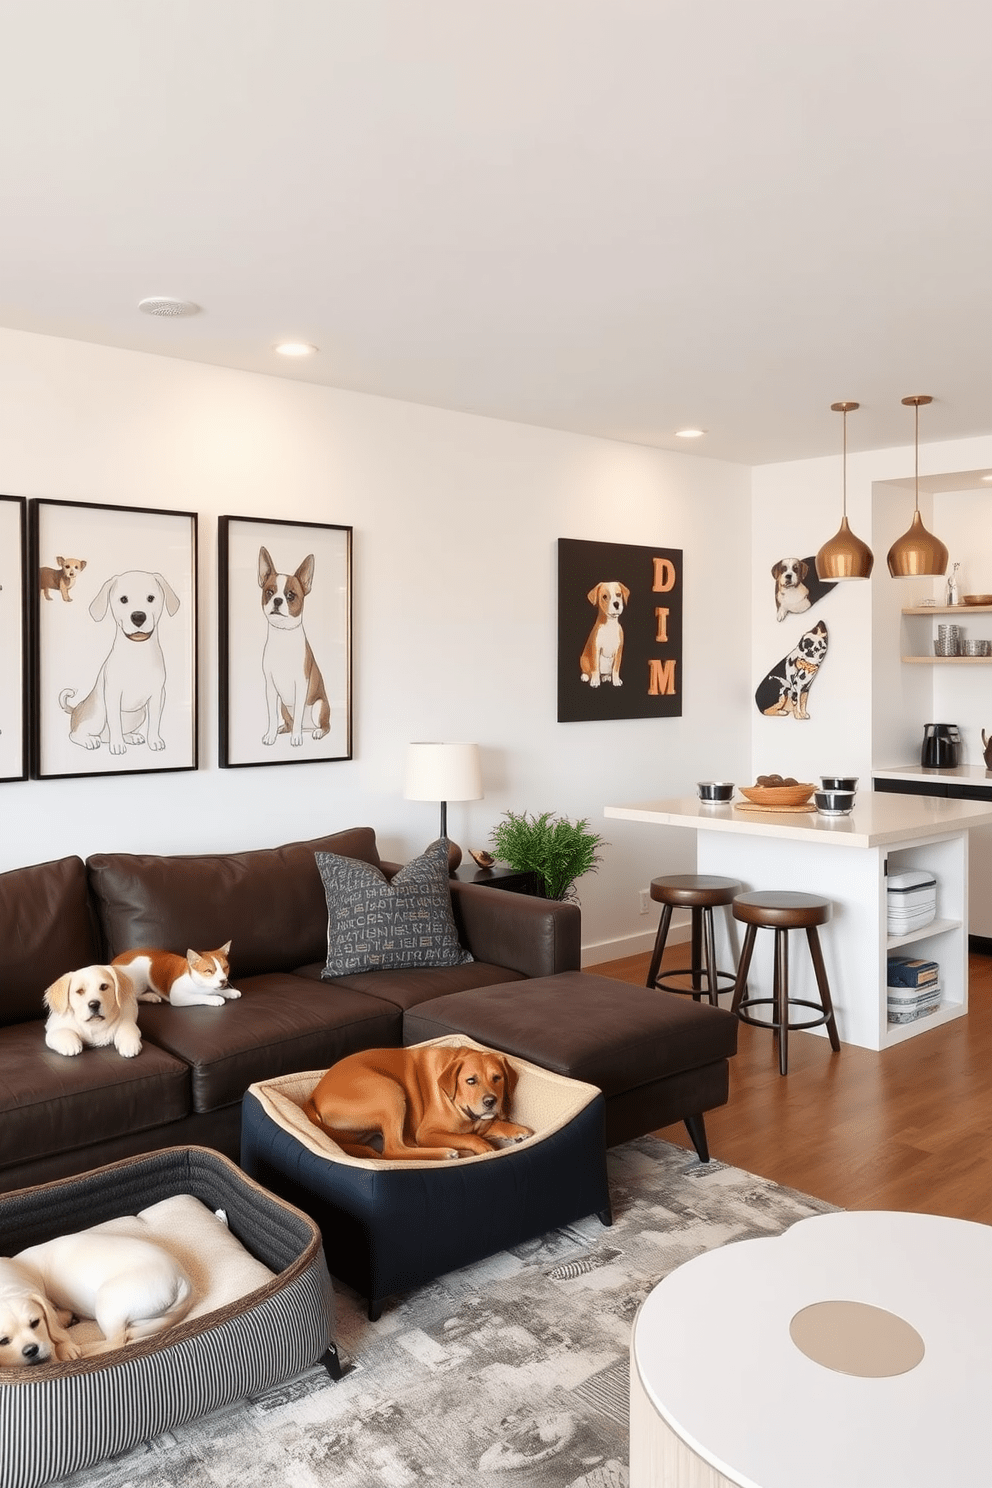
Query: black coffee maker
941,746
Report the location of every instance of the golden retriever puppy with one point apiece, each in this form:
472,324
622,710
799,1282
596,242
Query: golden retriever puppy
133,1288
95,1005
426,1103
31,1331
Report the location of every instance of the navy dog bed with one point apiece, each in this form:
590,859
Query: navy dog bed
57,1418
392,1226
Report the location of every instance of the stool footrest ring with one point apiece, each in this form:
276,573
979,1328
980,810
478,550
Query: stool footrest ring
793,1002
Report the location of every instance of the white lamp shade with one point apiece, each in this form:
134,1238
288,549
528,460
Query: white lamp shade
443,772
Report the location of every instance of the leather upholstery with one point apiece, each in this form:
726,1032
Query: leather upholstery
53,1103
536,937
280,1024
268,902
422,984
45,930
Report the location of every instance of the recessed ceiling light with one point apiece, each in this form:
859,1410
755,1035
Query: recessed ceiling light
689,433
162,305
295,348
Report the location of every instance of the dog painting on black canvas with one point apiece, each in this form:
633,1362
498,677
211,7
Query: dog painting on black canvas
784,692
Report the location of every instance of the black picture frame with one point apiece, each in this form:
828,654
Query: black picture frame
114,657
646,583
298,628
14,648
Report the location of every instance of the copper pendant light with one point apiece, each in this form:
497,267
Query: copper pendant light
917,551
844,556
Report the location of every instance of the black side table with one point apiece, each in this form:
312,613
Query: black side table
502,878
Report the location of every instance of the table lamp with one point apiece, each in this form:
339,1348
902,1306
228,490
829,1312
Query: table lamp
444,772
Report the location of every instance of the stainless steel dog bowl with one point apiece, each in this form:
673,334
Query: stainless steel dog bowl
834,802
715,790
839,782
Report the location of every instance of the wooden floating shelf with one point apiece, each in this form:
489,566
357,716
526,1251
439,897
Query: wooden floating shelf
948,660
961,609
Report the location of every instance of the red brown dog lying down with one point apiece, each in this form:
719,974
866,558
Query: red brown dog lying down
426,1103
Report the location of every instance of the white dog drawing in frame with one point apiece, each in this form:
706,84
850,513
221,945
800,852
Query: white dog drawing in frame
126,703
293,682
603,651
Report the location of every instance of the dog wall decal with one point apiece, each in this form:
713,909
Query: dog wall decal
797,587
784,692
126,702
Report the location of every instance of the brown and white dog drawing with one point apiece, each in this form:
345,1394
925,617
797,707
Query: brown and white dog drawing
791,590
785,691
126,702
60,578
603,652
293,682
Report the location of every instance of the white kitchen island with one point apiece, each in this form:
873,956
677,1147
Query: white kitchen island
845,859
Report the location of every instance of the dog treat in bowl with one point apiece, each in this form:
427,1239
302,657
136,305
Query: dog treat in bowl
773,790
715,790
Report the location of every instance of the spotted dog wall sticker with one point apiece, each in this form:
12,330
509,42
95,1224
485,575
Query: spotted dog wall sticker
619,631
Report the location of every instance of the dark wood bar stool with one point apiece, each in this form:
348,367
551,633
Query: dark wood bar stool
700,893
782,911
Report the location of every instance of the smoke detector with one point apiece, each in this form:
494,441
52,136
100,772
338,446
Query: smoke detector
164,306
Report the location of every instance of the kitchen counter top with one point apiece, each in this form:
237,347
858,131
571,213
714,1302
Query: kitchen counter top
879,819
960,774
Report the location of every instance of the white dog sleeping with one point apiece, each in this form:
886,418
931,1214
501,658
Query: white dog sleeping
31,1331
133,1288
95,1005
126,702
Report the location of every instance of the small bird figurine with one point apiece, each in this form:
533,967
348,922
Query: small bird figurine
483,858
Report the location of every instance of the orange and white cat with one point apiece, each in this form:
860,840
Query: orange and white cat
197,979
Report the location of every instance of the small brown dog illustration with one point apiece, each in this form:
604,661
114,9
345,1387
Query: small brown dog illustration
428,1103
293,683
61,578
603,652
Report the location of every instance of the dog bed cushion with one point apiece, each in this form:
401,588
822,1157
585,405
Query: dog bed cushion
393,1225
380,924
221,1269
57,1418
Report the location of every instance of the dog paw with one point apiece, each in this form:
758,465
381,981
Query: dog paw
128,1047
269,738
593,681
317,733
231,994
149,997
617,682
296,740
134,738
120,748
65,1352
158,743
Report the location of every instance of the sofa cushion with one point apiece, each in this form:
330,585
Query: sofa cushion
421,984
380,924
53,1103
280,1023
268,902
46,930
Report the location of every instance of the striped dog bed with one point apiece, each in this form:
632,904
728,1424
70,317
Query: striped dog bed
58,1418
391,1226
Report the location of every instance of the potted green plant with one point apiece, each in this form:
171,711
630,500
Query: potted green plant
557,850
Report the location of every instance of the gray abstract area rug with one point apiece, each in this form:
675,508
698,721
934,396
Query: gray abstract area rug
512,1373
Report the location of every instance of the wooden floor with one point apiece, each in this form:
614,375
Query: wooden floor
910,1128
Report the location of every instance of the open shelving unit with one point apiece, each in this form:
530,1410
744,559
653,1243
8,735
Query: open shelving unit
943,940
959,611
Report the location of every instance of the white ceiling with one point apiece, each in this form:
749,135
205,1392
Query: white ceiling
610,216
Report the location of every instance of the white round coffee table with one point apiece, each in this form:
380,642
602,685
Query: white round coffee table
723,1393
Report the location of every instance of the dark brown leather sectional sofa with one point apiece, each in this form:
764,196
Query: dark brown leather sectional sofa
60,1116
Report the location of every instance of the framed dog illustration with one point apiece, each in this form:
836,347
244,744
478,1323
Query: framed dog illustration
619,631
285,641
13,639
113,653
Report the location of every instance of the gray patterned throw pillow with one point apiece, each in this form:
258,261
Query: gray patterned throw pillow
377,924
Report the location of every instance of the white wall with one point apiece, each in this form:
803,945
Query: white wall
456,520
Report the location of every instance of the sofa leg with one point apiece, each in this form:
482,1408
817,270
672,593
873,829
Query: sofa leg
375,1309
696,1128
605,1216
332,1362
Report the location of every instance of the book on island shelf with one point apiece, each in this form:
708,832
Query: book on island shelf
906,971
